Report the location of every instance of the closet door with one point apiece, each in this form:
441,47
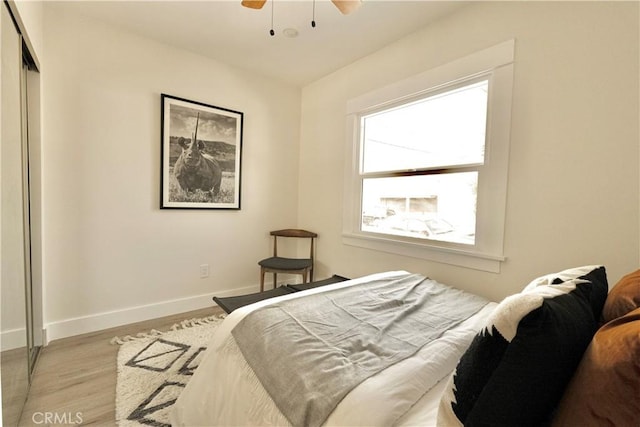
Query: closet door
14,251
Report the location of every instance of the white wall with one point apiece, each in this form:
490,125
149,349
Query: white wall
573,194
111,256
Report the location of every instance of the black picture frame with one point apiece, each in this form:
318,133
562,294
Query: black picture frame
201,165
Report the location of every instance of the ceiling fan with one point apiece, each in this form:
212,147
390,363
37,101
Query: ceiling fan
344,6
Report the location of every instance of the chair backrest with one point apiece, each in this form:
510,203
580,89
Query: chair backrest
296,233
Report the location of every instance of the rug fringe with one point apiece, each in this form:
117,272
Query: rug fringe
190,323
154,333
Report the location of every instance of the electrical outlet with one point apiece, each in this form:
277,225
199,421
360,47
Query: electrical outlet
204,271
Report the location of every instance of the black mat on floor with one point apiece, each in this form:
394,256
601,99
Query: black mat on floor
304,286
228,304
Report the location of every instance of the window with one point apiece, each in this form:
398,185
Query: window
427,163
420,164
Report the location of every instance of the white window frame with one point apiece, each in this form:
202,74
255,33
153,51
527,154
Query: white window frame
494,63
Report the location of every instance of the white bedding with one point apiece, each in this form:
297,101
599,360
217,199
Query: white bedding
225,391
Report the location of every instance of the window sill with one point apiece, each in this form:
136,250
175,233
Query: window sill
453,256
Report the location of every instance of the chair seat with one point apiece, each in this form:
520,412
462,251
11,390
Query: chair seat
279,263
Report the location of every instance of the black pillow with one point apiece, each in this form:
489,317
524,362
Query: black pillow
517,367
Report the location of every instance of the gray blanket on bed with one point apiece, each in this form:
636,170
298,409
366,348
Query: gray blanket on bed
309,352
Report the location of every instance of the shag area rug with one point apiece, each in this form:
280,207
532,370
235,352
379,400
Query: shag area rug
154,368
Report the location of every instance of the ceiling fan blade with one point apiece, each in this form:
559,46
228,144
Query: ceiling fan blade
254,4
347,6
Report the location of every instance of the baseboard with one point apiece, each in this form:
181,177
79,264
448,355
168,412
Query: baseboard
12,339
97,322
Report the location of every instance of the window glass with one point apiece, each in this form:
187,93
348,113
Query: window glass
444,129
436,207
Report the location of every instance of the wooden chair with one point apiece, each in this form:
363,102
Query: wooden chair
277,264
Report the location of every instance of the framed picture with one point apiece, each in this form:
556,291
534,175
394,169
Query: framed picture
201,155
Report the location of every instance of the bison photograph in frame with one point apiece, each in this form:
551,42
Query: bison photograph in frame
201,155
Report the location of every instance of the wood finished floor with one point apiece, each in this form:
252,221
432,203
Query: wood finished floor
78,374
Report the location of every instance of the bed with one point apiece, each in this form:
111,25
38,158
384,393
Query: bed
468,371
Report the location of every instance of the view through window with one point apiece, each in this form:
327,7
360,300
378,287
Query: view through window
420,163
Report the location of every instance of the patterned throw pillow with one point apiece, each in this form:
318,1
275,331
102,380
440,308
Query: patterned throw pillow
517,367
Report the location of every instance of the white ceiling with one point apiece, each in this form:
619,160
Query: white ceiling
226,31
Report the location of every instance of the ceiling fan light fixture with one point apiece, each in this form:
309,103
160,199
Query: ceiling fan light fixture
344,6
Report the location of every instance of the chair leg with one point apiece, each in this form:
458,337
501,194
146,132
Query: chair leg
275,280
261,279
